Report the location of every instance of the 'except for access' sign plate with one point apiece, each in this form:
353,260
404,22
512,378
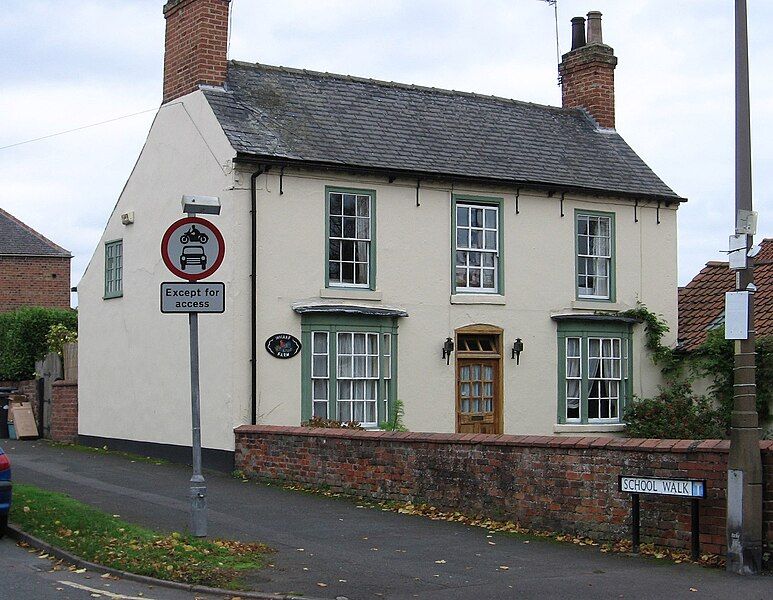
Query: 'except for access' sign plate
686,488
180,297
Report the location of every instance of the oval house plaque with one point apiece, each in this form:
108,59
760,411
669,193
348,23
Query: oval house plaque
283,345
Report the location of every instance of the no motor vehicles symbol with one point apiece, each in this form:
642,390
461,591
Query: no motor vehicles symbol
192,248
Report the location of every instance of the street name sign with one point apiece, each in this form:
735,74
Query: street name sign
192,248
692,489
685,488
192,297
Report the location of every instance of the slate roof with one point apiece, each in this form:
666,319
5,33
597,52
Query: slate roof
18,239
702,301
299,115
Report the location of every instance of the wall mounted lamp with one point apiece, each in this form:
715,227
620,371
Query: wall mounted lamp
517,349
448,347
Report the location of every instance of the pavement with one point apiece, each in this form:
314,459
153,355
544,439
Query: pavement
333,548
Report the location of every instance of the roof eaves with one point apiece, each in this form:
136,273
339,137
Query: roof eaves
249,158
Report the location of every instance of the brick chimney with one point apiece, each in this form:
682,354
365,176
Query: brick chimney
588,72
195,45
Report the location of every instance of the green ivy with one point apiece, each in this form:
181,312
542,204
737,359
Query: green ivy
23,338
668,359
715,359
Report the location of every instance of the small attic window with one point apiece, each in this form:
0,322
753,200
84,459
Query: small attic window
113,269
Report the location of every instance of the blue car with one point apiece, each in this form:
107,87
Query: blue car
5,491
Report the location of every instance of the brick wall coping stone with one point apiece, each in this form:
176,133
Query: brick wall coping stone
65,383
534,441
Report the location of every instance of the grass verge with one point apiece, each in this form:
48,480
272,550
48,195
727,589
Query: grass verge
107,540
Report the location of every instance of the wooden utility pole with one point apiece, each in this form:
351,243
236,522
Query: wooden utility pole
744,474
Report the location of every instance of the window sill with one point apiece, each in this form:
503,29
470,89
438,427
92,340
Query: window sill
111,296
588,428
589,304
478,299
350,294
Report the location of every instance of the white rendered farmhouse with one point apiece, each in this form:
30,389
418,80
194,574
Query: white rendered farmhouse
470,256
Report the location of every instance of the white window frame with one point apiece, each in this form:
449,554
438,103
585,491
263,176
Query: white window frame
583,258
346,377
578,378
468,249
320,376
605,377
343,239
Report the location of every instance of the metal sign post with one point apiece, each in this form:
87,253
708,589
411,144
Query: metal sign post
693,489
193,248
198,489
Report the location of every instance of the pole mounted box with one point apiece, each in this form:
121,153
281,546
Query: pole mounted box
737,315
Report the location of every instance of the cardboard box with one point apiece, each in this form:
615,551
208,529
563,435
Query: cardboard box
23,420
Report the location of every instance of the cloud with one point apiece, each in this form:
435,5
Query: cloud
70,63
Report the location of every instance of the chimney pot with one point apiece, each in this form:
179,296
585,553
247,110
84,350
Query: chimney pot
594,27
578,32
587,72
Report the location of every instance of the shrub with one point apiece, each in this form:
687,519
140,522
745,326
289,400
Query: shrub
58,335
396,422
675,413
23,338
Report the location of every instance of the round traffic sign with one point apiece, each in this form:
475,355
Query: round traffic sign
192,248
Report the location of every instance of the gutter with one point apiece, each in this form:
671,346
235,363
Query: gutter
254,288
551,188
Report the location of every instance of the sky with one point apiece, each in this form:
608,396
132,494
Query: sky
71,63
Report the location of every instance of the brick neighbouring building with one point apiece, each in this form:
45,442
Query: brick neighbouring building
34,271
702,301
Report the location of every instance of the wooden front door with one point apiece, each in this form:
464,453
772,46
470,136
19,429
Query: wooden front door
477,395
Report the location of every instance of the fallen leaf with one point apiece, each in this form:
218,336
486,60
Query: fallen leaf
320,584
693,589
80,570
440,562
503,567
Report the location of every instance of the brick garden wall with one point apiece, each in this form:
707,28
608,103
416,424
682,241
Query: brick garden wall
64,412
563,484
34,281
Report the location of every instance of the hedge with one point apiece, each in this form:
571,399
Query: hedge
23,338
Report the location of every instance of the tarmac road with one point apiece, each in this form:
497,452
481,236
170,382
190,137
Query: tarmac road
24,575
358,552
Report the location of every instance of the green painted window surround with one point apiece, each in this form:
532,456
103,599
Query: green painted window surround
333,324
113,269
612,263
500,266
372,244
584,330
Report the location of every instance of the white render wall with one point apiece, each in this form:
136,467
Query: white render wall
134,373
133,361
413,273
